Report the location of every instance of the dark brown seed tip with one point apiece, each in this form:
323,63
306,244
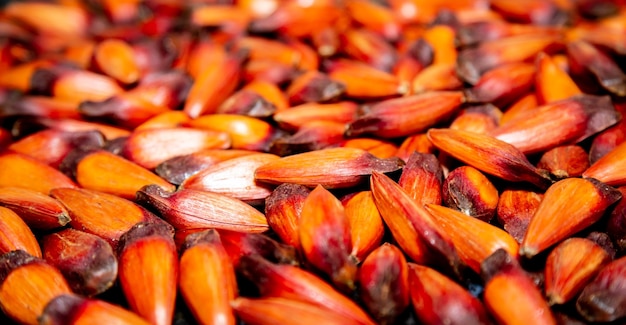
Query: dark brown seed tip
499,261
604,299
282,210
471,64
240,244
61,310
176,170
69,164
207,237
143,230
146,193
604,240
12,260
42,81
608,193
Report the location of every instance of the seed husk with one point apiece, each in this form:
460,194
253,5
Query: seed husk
52,146
437,299
18,170
473,239
286,281
126,109
436,77
616,224
282,210
140,78
239,244
608,139
608,168
116,59
234,178
325,239
562,122
221,79
207,278
39,211
270,92
27,284
419,143
502,85
186,209
100,170
516,208
380,148
406,115
73,84
422,178
16,235
148,271
472,63
68,124
274,310
245,132
150,147
476,120
414,229
73,309
296,116
568,207
384,283
570,266
552,83
602,300
176,170
113,217
504,277
488,154
366,225
331,168
585,56
363,81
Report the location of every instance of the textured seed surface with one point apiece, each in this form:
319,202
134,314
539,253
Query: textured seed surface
309,162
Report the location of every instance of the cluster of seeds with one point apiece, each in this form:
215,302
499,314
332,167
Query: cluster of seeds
313,162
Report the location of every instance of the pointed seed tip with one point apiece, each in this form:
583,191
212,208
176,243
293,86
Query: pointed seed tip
554,299
528,252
